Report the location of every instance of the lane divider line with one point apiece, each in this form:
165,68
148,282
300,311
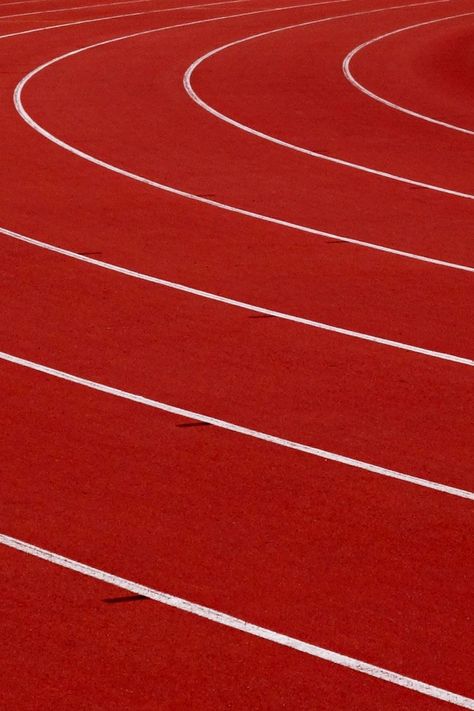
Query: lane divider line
239,304
285,144
239,429
222,618
22,2
77,7
170,9
190,196
346,68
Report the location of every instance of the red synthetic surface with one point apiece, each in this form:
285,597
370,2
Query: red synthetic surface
377,569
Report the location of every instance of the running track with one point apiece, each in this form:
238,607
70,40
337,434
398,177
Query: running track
236,354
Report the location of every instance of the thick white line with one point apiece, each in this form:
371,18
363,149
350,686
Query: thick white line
80,7
223,618
190,196
350,77
254,132
223,424
239,304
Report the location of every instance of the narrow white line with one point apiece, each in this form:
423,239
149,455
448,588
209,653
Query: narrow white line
223,424
22,2
350,77
171,9
33,2
254,132
77,7
239,304
190,196
223,618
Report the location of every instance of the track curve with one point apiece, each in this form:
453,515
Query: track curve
107,371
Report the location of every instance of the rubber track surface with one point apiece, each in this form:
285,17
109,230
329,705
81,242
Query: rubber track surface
370,567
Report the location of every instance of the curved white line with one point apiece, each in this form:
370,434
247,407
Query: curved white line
190,196
350,77
146,12
77,7
222,618
239,429
254,132
22,2
186,413
239,304
36,2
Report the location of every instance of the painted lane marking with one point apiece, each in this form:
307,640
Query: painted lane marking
239,304
239,429
285,144
222,618
190,196
350,77
171,9
71,9
22,2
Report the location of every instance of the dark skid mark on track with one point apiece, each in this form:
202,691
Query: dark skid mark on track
88,254
263,316
125,598
194,424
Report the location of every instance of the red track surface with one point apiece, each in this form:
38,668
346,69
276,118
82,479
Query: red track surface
374,568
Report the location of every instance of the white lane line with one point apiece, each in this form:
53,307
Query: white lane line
77,7
350,77
223,618
22,2
260,134
248,432
170,9
37,2
239,304
190,196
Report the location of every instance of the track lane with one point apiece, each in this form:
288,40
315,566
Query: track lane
22,12
288,392
449,646
437,329
305,385
95,637
372,591
428,50
22,27
85,258
401,146
298,204
54,5
438,215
